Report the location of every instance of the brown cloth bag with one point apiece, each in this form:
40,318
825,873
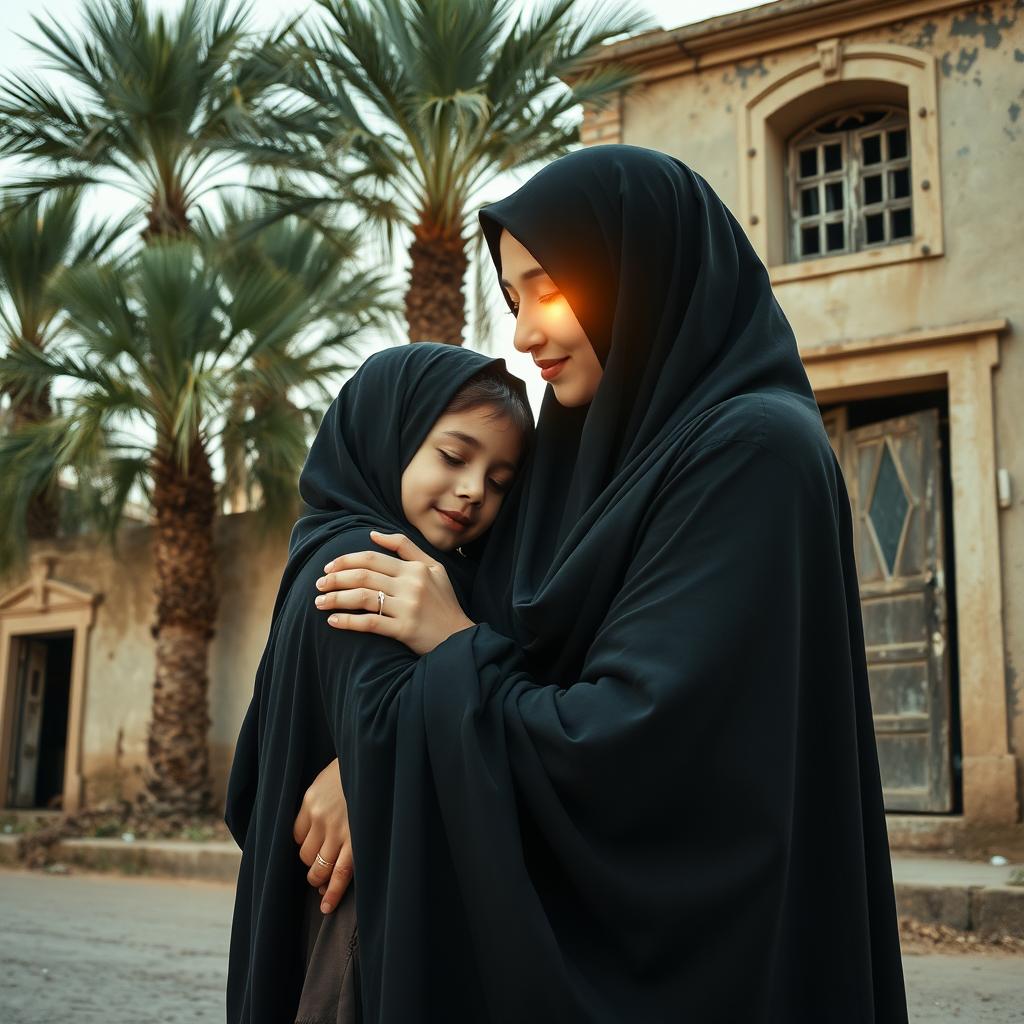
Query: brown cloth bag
330,992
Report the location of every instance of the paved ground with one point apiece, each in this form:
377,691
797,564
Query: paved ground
115,950
112,950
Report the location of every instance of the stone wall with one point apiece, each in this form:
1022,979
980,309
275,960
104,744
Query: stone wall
120,665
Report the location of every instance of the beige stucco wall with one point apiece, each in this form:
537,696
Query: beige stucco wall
119,670
980,106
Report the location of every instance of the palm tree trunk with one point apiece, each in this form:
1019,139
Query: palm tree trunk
167,217
435,307
177,773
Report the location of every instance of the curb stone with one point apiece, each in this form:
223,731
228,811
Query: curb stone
208,861
989,909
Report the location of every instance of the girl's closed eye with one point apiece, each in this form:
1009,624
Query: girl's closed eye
452,460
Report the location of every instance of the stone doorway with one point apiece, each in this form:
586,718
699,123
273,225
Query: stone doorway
40,702
958,360
44,631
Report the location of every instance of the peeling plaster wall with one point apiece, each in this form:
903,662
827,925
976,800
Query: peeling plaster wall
120,665
980,54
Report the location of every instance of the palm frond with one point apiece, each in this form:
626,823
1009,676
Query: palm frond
28,466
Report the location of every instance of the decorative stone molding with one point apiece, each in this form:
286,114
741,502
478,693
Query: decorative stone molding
758,32
830,77
830,55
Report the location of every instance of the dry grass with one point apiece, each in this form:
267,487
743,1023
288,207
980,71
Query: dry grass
918,938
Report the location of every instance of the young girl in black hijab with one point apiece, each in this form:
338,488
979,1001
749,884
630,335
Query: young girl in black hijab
652,756
425,439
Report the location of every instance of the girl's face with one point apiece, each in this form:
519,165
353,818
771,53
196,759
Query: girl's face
457,480
547,328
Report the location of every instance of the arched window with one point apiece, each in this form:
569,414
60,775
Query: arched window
849,183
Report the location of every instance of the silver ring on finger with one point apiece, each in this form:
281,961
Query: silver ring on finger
324,863
380,602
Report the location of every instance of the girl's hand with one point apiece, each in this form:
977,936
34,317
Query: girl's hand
420,608
322,829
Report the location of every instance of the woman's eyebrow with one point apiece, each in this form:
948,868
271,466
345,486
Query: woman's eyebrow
527,276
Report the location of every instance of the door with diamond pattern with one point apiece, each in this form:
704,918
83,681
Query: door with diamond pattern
893,472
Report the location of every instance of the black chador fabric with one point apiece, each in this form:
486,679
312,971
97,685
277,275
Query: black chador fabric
655,763
301,716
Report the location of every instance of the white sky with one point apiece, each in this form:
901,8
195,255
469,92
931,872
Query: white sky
16,55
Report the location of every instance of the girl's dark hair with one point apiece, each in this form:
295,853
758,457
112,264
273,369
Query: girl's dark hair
492,387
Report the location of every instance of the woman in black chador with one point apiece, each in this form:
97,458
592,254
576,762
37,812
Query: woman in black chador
646,757
425,439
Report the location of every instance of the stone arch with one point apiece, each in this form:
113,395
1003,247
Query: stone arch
838,74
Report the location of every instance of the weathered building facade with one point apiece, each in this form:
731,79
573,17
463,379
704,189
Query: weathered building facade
77,660
873,152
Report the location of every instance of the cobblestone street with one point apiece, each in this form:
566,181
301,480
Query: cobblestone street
110,950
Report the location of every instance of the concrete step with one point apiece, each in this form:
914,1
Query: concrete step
209,860
967,895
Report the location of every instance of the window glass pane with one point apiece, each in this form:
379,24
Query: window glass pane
878,177
899,183
888,509
808,163
809,242
902,226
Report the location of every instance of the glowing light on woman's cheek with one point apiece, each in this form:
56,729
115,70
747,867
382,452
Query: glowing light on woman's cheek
556,309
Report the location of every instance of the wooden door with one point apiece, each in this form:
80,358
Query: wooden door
28,721
893,472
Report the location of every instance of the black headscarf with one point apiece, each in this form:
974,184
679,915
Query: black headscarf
653,760
351,483
681,314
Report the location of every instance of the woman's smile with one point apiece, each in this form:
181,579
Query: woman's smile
551,368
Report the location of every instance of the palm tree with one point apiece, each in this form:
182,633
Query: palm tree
429,100
161,109
37,240
165,356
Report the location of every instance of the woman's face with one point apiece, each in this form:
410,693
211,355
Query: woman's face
454,486
547,328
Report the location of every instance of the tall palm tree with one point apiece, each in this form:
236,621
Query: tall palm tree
432,99
158,351
37,240
162,109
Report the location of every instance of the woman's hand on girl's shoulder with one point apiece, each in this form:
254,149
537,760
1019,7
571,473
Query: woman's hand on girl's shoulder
409,598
